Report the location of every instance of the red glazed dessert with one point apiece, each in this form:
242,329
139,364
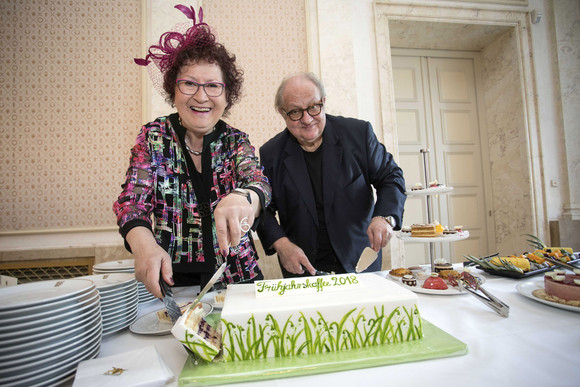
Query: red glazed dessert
563,286
435,282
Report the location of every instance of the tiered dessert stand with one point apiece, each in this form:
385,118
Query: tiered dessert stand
428,193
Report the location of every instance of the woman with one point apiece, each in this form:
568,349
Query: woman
193,175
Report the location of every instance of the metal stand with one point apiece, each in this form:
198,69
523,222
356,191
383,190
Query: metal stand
424,153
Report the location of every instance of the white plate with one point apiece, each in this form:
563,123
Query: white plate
526,289
18,326
151,325
450,291
41,353
429,191
42,292
110,281
125,264
45,329
51,306
406,236
12,348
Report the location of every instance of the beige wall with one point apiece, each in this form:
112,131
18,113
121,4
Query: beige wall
71,102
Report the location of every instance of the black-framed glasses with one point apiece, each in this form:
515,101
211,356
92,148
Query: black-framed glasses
297,114
212,89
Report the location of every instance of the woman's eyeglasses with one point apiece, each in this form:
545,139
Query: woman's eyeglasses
212,89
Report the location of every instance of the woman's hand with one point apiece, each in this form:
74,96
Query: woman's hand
234,216
150,260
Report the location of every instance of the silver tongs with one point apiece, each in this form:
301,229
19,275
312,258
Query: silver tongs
468,282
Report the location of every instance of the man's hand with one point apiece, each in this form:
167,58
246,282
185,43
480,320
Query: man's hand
292,257
379,232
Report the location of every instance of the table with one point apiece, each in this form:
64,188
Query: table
536,345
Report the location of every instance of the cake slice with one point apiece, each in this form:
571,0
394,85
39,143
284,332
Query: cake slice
423,231
197,335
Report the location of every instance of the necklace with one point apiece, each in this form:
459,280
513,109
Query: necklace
195,153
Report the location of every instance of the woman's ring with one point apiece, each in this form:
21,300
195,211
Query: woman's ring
244,225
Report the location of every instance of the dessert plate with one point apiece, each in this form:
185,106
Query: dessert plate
406,236
527,288
149,324
428,191
450,291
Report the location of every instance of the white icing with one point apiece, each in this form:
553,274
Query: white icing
373,295
559,278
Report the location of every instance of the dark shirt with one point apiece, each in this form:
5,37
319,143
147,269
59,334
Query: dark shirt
326,259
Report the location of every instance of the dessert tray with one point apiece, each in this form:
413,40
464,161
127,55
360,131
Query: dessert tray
406,236
429,191
518,275
450,291
527,288
150,324
435,343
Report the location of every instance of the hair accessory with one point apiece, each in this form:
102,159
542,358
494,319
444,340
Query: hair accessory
171,43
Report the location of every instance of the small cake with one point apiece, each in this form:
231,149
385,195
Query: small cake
447,273
423,231
435,184
409,280
563,286
405,229
440,264
435,282
417,187
162,314
400,272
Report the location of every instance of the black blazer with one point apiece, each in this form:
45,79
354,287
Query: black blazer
353,162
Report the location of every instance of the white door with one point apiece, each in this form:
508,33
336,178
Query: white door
437,109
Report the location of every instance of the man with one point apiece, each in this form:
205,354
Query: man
322,170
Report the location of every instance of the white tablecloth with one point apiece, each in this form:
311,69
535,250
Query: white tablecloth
537,345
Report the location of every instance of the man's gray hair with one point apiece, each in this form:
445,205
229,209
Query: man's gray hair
278,101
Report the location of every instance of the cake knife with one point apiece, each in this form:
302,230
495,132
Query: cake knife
173,310
208,286
367,257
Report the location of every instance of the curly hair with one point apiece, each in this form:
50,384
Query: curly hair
213,54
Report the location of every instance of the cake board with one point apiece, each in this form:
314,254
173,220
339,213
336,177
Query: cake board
435,344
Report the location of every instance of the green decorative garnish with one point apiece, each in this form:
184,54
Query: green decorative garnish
302,335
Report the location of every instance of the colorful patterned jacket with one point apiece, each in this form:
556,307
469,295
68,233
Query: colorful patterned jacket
164,192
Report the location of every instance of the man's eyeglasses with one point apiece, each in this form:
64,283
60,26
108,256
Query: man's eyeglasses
212,89
297,114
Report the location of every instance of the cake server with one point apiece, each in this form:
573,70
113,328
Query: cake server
173,310
367,257
208,286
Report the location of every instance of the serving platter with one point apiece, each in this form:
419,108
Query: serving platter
428,191
435,344
518,275
406,236
149,324
527,288
450,291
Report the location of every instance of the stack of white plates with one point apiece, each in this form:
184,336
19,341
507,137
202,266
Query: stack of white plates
46,329
119,299
124,266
